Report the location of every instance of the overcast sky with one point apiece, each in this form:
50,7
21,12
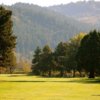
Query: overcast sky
40,2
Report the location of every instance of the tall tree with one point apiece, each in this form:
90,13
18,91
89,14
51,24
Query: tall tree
36,61
88,55
46,60
74,44
7,39
60,55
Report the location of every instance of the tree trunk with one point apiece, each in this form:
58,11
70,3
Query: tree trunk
61,73
10,70
73,73
80,73
91,73
49,73
0,70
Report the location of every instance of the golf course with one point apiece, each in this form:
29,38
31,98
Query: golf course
23,87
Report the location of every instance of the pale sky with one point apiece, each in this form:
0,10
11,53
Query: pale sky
40,2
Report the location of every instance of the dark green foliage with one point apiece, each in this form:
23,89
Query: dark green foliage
60,55
7,40
45,59
37,55
36,61
42,60
88,56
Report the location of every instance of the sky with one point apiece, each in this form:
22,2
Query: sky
40,2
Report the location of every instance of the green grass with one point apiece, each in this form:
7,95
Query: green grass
21,87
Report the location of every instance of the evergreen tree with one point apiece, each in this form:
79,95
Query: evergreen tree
88,55
7,39
36,61
46,60
60,55
36,56
43,61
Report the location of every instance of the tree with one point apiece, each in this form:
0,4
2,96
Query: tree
74,44
46,60
7,40
88,55
11,61
37,54
43,61
36,61
24,66
60,54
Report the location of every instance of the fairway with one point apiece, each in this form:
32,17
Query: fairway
22,87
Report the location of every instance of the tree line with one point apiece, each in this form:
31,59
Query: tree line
81,54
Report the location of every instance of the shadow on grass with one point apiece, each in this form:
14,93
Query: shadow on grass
66,80
21,81
84,81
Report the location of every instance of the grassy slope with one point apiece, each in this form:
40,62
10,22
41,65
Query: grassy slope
37,88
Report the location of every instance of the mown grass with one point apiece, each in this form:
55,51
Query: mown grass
22,87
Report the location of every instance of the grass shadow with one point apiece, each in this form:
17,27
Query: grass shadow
21,81
87,81
39,79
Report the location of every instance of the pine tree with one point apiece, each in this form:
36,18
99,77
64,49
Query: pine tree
60,56
46,60
7,40
36,61
88,55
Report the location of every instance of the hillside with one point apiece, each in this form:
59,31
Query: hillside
36,26
84,11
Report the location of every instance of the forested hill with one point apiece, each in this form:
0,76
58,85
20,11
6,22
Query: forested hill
36,26
84,11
